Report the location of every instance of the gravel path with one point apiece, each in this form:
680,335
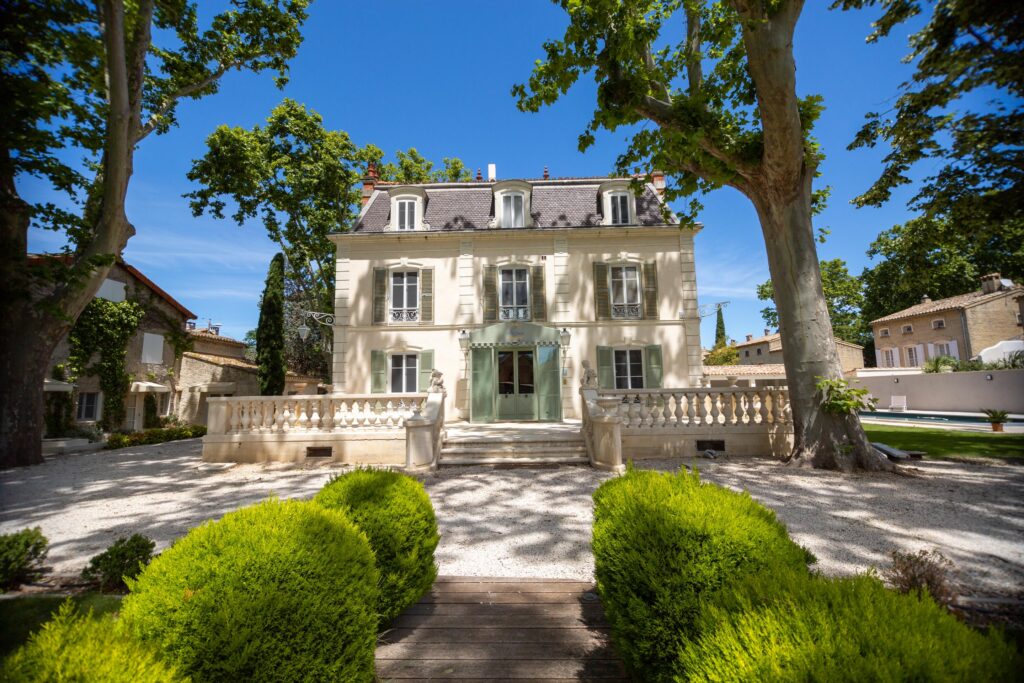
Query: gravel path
536,522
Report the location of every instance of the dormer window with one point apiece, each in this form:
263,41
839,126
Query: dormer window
618,204
511,204
512,210
407,208
620,208
406,214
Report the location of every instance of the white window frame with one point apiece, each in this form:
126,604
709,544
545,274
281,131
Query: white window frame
889,357
407,313
939,324
408,193
405,358
510,197
614,188
883,332
149,341
912,357
96,409
112,290
625,310
630,379
907,329
939,346
619,203
513,311
511,188
406,213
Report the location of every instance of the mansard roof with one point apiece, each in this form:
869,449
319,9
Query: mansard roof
555,203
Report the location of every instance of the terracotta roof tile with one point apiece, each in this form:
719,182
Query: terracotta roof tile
948,304
207,335
766,370
231,362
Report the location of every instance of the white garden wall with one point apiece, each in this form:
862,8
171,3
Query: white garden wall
968,392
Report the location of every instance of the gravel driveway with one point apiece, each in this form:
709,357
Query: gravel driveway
536,522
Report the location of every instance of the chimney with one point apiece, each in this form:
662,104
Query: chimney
750,337
492,172
546,176
767,331
925,299
479,175
369,182
990,283
658,178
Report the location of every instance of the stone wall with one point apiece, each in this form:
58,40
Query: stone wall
969,392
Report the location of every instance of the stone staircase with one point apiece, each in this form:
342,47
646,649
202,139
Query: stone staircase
514,444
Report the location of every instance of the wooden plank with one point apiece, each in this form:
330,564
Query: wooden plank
501,579
543,634
510,587
489,598
496,620
419,669
577,610
556,648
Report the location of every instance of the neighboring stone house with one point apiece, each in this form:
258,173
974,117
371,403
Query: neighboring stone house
150,359
959,326
217,366
767,350
507,286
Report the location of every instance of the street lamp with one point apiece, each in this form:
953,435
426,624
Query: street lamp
322,318
303,331
464,342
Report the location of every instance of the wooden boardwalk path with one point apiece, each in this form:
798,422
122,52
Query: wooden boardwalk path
478,629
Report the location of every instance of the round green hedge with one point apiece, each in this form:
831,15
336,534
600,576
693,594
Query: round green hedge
76,647
663,545
279,591
395,512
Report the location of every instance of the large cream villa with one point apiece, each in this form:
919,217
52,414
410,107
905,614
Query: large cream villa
494,302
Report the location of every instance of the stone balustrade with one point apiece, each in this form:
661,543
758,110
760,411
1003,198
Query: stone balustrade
319,413
700,407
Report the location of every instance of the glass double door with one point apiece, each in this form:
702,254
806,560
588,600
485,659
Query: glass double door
517,395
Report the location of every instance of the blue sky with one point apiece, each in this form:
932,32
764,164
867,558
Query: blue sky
436,76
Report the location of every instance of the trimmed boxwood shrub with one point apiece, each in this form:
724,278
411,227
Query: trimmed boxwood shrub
796,627
663,545
395,512
125,558
21,556
279,591
76,647
151,436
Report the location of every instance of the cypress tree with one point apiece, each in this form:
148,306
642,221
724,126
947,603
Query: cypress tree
270,332
720,338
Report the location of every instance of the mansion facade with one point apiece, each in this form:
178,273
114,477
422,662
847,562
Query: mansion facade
507,287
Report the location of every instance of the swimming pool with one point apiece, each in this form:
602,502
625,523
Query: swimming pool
937,418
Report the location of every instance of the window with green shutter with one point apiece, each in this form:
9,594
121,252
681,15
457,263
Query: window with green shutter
602,298
378,372
490,294
427,295
650,290
380,296
538,293
426,367
653,363
605,367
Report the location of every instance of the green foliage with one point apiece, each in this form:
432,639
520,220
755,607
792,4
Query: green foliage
270,332
25,614
793,626
946,443
150,413
21,556
844,296
939,364
664,545
125,558
411,167
996,416
152,436
720,337
279,591
77,647
105,328
839,398
396,514
60,420
723,355
923,572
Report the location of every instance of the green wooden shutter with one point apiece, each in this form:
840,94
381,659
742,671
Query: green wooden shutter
537,294
427,295
602,297
549,381
378,372
426,365
380,296
650,285
653,369
490,294
482,389
605,367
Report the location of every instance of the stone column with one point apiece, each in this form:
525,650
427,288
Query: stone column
607,428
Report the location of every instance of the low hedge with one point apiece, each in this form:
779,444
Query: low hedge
76,647
21,556
151,436
395,512
124,559
663,544
795,627
279,591
701,583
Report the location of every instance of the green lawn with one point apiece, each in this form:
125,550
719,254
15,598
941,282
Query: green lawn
21,616
945,443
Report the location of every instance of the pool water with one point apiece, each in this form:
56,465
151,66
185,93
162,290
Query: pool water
938,419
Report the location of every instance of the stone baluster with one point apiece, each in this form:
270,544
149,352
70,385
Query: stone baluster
339,416
245,417
645,409
680,412
717,412
314,418
285,421
232,407
378,414
729,399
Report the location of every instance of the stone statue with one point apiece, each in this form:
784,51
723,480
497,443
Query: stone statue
436,383
589,379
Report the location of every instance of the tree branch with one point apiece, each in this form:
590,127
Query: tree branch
172,99
652,68
137,64
694,74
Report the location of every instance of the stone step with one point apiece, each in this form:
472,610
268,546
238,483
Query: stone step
485,459
498,447
496,452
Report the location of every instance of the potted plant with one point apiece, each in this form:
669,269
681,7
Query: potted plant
997,418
